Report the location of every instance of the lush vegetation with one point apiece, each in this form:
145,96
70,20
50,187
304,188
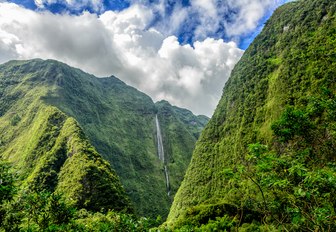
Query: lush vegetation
120,123
60,159
266,159
29,210
64,183
37,98
291,187
265,162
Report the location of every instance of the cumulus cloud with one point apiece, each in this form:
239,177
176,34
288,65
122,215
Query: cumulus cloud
196,75
187,76
248,15
123,44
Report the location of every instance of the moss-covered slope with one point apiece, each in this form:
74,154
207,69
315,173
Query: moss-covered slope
51,153
281,94
118,120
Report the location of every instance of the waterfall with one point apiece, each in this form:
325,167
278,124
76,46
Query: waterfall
159,140
161,152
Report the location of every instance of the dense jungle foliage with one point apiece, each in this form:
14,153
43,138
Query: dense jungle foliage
30,210
266,160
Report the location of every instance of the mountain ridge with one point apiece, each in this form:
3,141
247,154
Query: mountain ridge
118,120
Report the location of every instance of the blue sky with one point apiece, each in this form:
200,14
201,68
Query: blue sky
181,51
61,6
185,34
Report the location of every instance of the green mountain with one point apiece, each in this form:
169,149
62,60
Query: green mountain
50,150
54,120
266,159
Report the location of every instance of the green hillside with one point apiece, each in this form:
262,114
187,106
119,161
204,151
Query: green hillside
51,152
266,160
118,120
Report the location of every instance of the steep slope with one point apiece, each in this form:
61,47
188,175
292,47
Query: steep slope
280,94
50,150
118,120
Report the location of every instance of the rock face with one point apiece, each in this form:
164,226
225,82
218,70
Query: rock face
280,99
118,122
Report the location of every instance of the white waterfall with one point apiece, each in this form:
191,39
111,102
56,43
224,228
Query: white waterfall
159,140
161,152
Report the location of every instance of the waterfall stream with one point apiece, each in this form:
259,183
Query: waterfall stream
161,152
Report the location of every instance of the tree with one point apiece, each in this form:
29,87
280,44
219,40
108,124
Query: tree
7,180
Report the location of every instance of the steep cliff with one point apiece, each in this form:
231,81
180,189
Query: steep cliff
270,144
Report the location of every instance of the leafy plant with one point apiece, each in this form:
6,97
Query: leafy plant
7,181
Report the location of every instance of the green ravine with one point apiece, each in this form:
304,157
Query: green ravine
260,161
266,160
45,105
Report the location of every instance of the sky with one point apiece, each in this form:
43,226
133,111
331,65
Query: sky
182,51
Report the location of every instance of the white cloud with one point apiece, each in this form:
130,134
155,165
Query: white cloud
249,14
81,41
121,43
